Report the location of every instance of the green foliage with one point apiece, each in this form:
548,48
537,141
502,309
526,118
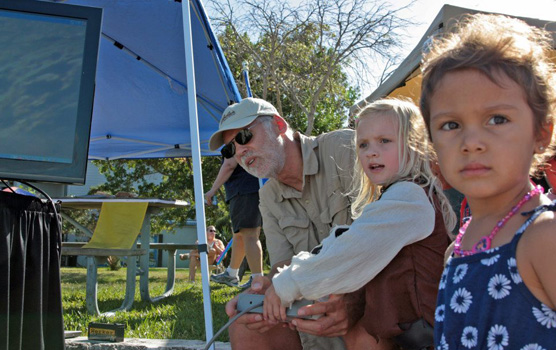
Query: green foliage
299,53
179,316
296,69
164,179
86,218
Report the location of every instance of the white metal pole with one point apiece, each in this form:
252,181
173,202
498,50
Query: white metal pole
245,67
196,155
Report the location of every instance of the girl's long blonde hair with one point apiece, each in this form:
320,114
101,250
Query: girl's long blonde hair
415,155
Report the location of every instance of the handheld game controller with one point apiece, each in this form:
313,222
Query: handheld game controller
247,300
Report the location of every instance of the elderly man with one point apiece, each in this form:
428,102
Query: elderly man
307,194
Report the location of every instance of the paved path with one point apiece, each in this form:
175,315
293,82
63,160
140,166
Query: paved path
81,343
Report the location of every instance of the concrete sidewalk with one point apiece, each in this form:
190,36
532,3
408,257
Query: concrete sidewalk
82,343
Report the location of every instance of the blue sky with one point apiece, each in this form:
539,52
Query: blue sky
424,11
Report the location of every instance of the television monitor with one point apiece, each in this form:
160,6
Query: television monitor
47,79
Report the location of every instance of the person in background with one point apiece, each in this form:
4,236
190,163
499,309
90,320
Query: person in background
215,247
550,176
305,196
488,98
242,196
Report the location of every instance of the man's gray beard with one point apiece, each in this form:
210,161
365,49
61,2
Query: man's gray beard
276,159
271,171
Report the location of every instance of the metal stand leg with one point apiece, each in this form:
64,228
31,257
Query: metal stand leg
144,264
92,286
91,292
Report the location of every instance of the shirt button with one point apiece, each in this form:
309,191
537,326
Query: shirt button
306,202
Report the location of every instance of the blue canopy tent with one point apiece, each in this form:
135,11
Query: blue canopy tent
162,85
141,103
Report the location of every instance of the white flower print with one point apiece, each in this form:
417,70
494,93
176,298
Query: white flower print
490,261
469,337
443,279
460,272
498,337
461,300
546,317
439,313
443,345
499,286
512,266
532,347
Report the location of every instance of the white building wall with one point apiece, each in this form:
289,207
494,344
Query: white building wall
93,178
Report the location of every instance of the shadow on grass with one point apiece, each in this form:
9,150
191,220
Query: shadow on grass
190,315
74,277
179,316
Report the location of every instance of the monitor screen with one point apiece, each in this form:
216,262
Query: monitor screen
47,79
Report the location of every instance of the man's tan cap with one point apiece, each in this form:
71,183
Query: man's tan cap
239,115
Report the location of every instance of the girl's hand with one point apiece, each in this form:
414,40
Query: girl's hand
273,310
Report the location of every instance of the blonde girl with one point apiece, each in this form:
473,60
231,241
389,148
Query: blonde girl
394,249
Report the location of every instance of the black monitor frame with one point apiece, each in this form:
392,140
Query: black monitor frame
62,172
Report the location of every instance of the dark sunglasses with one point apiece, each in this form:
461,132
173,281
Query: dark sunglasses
242,137
212,230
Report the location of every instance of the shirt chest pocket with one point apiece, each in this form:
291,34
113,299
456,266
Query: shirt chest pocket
338,210
296,230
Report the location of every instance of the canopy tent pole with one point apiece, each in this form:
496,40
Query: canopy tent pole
196,156
245,71
245,67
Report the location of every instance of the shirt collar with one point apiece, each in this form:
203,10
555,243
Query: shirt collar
310,165
310,159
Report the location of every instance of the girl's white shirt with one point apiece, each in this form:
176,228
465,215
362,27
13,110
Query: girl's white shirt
402,216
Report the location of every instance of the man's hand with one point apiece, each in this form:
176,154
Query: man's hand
208,196
333,323
254,322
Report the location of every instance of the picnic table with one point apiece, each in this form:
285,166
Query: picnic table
138,249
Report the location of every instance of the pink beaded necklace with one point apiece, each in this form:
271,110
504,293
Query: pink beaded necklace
485,242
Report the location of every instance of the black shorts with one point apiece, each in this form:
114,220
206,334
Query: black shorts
244,211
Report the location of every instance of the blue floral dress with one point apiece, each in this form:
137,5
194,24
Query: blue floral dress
484,304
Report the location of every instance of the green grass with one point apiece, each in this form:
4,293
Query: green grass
179,316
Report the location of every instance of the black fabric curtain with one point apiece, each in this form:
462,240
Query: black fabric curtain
30,289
